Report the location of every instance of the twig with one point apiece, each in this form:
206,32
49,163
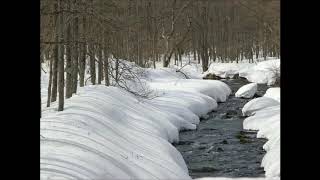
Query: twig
179,70
87,80
183,74
43,70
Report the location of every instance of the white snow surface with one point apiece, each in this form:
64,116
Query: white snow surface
273,93
265,118
108,133
261,72
257,104
247,91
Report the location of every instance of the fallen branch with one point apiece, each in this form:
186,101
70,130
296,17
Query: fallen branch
179,70
187,77
85,83
43,70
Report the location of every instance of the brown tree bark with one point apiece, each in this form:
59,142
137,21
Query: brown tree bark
61,59
100,65
50,83
92,62
106,66
55,74
75,54
69,66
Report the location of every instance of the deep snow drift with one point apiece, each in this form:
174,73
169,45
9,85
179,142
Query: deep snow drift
264,115
261,72
107,133
273,93
247,91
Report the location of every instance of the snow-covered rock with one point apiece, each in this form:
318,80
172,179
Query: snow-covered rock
265,118
264,72
227,70
257,104
247,91
273,93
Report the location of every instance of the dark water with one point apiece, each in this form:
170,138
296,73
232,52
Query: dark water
220,147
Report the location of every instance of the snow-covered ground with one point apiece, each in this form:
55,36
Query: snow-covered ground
265,117
247,91
273,93
108,133
261,72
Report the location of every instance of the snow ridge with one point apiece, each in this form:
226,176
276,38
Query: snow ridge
108,133
264,115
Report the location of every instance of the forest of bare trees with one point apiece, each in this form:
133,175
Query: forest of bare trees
77,35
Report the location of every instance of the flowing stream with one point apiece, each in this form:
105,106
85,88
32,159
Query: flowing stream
220,147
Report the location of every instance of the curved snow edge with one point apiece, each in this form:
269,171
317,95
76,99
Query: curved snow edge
264,115
107,133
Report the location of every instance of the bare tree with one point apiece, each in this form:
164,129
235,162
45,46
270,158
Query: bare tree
147,32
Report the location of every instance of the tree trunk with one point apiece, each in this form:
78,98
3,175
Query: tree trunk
154,51
251,55
92,65
50,83
40,89
204,59
61,62
175,58
82,64
180,56
166,61
75,56
166,57
117,70
106,66
100,65
55,60
75,70
257,52
68,62
83,52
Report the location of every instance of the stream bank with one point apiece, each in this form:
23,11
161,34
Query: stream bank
220,147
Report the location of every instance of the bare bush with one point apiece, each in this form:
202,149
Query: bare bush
275,69
129,76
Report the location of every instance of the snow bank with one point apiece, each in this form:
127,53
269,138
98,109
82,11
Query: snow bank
225,70
183,102
247,91
273,93
162,74
266,119
261,72
215,89
257,104
108,133
192,70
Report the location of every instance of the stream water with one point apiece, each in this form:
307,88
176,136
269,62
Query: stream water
220,147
